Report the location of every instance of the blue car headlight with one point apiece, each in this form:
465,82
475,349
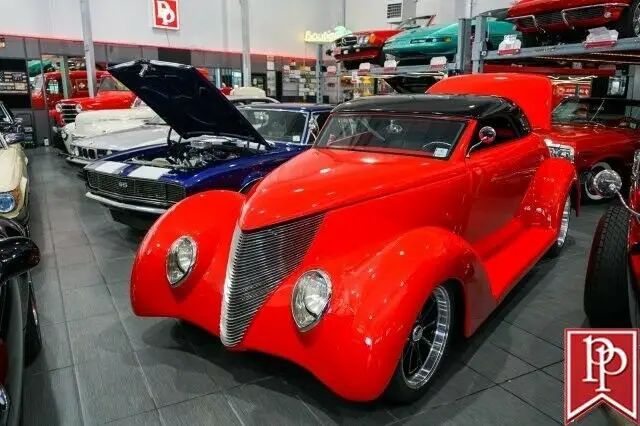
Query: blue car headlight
7,202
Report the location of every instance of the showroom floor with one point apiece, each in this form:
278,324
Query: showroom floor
102,364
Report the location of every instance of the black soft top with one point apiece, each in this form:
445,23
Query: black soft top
465,106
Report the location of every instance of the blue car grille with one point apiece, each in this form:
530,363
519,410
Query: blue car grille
258,262
140,189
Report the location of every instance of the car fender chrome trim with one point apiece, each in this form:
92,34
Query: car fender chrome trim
112,203
77,160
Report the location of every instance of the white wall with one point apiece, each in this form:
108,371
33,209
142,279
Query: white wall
277,26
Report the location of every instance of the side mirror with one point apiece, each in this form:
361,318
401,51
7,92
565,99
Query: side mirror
487,135
17,256
607,183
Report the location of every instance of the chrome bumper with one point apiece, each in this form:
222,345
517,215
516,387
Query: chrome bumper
124,206
564,12
78,160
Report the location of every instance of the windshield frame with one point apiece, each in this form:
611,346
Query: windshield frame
307,114
116,82
466,121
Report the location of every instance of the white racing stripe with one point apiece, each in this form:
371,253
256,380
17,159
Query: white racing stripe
110,167
146,172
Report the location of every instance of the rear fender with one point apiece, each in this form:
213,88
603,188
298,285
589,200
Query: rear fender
395,284
543,203
210,219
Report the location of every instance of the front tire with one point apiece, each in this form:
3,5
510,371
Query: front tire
427,346
629,24
606,289
563,232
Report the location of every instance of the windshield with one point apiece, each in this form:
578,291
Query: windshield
615,113
277,125
430,136
420,21
109,84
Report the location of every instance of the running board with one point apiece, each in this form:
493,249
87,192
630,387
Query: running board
516,258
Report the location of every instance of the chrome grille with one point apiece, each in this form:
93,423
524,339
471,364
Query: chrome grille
258,262
141,189
548,19
347,41
68,113
527,22
576,15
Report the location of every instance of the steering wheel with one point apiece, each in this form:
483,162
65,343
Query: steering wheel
436,145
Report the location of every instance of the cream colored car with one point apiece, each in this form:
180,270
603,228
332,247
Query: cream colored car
14,182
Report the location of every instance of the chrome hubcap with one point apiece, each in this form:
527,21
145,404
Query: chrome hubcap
588,183
564,225
426,344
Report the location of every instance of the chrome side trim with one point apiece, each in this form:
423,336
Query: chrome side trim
112,203
78,160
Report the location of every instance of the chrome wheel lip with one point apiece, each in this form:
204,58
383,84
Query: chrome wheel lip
564,223
441,337
589,181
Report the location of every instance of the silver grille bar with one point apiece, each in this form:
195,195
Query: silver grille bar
259,261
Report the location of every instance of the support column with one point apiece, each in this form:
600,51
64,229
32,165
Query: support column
246,45
319,61
89,54
66,81
479,46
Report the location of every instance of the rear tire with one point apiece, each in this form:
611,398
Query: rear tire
606,289
412,379
32,335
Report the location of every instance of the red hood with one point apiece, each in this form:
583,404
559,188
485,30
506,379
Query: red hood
324,179
99,101
532,7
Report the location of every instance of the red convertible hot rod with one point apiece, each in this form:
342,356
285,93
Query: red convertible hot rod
363,258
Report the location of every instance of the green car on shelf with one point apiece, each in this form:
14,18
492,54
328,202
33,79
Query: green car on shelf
422,44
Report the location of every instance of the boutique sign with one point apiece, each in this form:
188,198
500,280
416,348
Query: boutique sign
165,14
326,37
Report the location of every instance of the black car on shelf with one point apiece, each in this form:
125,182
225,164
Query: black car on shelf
20,338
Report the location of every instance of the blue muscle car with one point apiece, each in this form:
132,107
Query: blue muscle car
211,144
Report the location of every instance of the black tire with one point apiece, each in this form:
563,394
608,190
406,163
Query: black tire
32,335
626,25
606,294
398,391
558,246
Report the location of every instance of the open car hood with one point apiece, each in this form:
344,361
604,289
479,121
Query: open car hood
185,99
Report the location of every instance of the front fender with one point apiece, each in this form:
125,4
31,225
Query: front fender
543,203
209,218
250,181
383,298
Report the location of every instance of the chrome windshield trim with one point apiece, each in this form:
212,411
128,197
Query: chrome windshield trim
112,203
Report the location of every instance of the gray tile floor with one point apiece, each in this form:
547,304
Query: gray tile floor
101,364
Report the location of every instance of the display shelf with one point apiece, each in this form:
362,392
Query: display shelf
401,71
628,48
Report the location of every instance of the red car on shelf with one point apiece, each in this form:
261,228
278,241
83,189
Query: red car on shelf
612,283
364,257
366,46
568,19
603,132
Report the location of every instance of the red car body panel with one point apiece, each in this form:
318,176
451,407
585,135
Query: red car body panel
527,8
384,246
369,51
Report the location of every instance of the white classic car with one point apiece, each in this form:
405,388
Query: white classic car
14,182
103,138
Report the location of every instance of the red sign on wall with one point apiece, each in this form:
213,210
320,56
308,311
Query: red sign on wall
165,14
601,366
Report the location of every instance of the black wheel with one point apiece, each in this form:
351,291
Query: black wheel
563,232
629,24
606,288
426,349
32,335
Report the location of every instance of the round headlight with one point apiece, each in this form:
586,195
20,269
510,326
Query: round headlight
58,108
180,260
75,151
7,202
78,108
310,298
366,40
109,152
